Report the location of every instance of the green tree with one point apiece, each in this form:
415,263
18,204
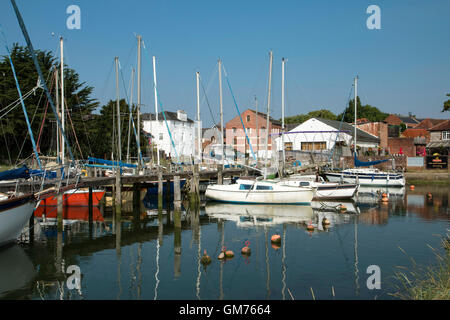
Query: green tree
367,111
446,104
13,129
300,118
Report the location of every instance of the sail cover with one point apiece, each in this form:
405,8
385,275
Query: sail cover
22,172
359,163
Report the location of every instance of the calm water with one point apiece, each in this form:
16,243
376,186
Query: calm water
148,256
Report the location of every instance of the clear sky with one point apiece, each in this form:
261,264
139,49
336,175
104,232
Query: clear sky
403,67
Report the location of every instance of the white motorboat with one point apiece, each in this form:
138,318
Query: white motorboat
248,215
323,189
14,215
254,191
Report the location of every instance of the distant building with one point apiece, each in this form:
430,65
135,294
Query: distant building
396,120
440,136
318,134
255,124
183,132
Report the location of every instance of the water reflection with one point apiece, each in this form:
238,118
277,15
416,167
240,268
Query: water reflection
158,255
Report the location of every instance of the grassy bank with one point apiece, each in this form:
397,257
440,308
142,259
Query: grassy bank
426,283
421,182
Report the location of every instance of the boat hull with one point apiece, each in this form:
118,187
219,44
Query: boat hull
75,198
368,179
338,192
14,215
284,195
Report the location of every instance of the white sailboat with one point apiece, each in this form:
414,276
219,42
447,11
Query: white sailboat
366,176
254,191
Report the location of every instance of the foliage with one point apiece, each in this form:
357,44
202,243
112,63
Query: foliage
446,106
373,114
322,113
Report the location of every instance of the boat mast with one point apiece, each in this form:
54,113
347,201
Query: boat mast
139,102
156,108
119,142
282,111
131,115
268,107
58,130
257,130
61,42
356,99
199,129
221,112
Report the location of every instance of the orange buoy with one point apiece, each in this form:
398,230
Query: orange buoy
205,260
275,238
411,187
310,227
246,250
229,254
276,245
384,198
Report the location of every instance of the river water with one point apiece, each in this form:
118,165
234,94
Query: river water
151,256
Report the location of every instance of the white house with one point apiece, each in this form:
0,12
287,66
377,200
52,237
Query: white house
183,132
318,134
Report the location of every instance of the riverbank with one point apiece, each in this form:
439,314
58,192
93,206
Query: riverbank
430,177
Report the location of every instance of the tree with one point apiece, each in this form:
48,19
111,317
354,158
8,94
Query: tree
446,104
367,111
13,128
300,118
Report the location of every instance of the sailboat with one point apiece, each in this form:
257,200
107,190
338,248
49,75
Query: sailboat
366,176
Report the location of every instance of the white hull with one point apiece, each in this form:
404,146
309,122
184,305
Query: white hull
259,192
248,215
13,220
367,178
332,206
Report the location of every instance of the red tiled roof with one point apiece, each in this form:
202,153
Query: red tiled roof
428,123
414,132
445,125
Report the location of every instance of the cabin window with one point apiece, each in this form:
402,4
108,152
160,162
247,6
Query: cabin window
304,184
245,187
264,188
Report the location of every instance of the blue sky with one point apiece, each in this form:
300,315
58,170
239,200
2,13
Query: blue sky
404,67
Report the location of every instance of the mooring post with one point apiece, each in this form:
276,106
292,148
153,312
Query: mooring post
168,189
91,210
160,190
219,174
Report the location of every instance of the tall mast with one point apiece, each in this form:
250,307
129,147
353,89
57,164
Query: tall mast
356,99
156,107
61,42
131,115
199,128
58,129
139,101
257,129
282,110
268,105
119,142
221,112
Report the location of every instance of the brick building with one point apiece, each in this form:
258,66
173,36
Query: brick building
256,124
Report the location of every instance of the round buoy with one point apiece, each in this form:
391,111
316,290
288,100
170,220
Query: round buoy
275,238
229,254
411,187
221,256
205,259
246,250
325,221
310,227
276,246
384,198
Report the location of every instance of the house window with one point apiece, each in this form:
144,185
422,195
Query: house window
445,135
234,130
288,146
248,118
235,140
161,136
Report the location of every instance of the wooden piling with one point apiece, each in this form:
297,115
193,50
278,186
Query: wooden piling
177,192
136,198
194,195
219,174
